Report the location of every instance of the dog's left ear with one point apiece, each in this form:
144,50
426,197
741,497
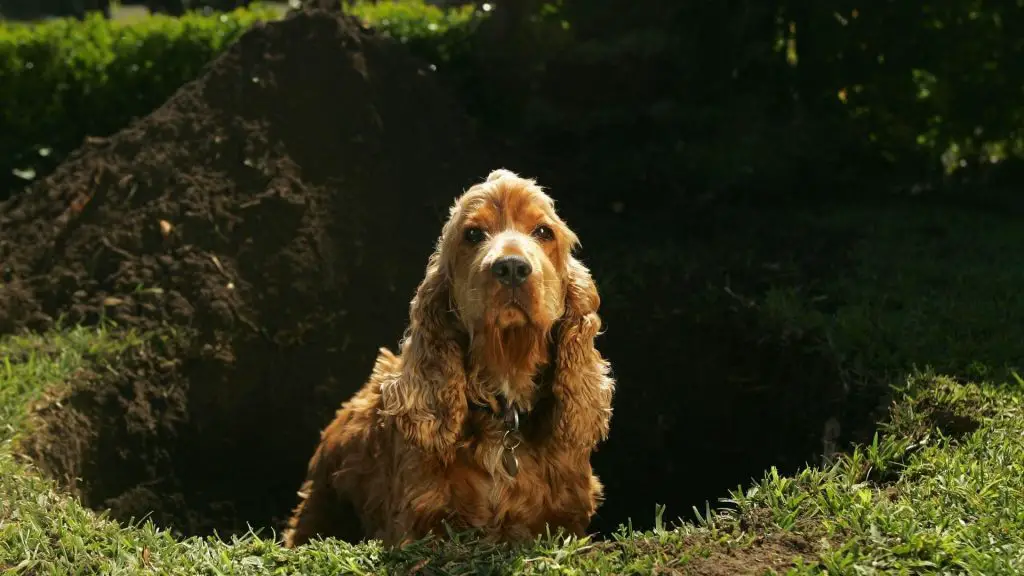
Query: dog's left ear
582,386
428,400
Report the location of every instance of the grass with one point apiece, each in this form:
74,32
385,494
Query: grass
922,499
939,490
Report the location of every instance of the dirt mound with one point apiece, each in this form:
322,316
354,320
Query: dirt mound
276,214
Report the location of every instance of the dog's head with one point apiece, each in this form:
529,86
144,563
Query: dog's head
506,254
500,279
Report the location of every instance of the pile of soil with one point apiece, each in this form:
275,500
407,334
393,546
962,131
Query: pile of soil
274,216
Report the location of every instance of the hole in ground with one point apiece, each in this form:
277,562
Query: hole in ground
201,445
706,406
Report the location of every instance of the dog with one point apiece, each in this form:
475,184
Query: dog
487,419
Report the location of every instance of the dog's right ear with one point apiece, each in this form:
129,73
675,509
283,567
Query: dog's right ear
428,401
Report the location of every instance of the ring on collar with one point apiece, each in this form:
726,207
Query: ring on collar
511,440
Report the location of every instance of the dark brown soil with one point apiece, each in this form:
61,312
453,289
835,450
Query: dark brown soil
770,555
277,213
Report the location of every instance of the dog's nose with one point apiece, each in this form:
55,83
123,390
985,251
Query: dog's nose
511,270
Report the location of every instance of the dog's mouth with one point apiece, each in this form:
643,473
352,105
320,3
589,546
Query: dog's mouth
513,309
512,316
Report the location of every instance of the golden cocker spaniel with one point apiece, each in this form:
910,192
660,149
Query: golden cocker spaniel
488,417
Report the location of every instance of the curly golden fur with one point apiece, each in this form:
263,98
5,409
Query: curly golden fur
505,316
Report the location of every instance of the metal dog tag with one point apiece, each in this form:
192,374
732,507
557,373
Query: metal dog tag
510,441
511,463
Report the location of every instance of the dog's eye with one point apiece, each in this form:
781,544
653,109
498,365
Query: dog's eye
473,235
544,233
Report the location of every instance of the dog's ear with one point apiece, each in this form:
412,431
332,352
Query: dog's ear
583,386
428,400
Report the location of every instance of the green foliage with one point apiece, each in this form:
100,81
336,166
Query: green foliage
64,79
773,98
782,99
442,36
919,81
414,20
783,93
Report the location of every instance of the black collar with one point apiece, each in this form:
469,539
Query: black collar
516,418
508,413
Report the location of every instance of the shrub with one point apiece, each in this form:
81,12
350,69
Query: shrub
681,99
445,37
769,100
64,79
414,21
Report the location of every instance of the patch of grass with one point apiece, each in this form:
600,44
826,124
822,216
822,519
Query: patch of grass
915,501
32,364
954,506
940,488
890,290
931,287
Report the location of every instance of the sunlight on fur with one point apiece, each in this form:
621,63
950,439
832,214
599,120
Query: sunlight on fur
488,417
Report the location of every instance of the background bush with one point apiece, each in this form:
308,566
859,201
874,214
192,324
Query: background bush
686,101
768,98
771,100
64,80
441,35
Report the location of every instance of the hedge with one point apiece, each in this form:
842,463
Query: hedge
432,32
694,102
65,79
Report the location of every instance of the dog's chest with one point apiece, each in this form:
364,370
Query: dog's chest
484,496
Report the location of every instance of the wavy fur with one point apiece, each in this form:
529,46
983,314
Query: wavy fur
407,454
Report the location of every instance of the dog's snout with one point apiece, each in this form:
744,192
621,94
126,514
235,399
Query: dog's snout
511,270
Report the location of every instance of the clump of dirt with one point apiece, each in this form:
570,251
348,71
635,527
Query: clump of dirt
954,425
955,420
273,217
773,554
